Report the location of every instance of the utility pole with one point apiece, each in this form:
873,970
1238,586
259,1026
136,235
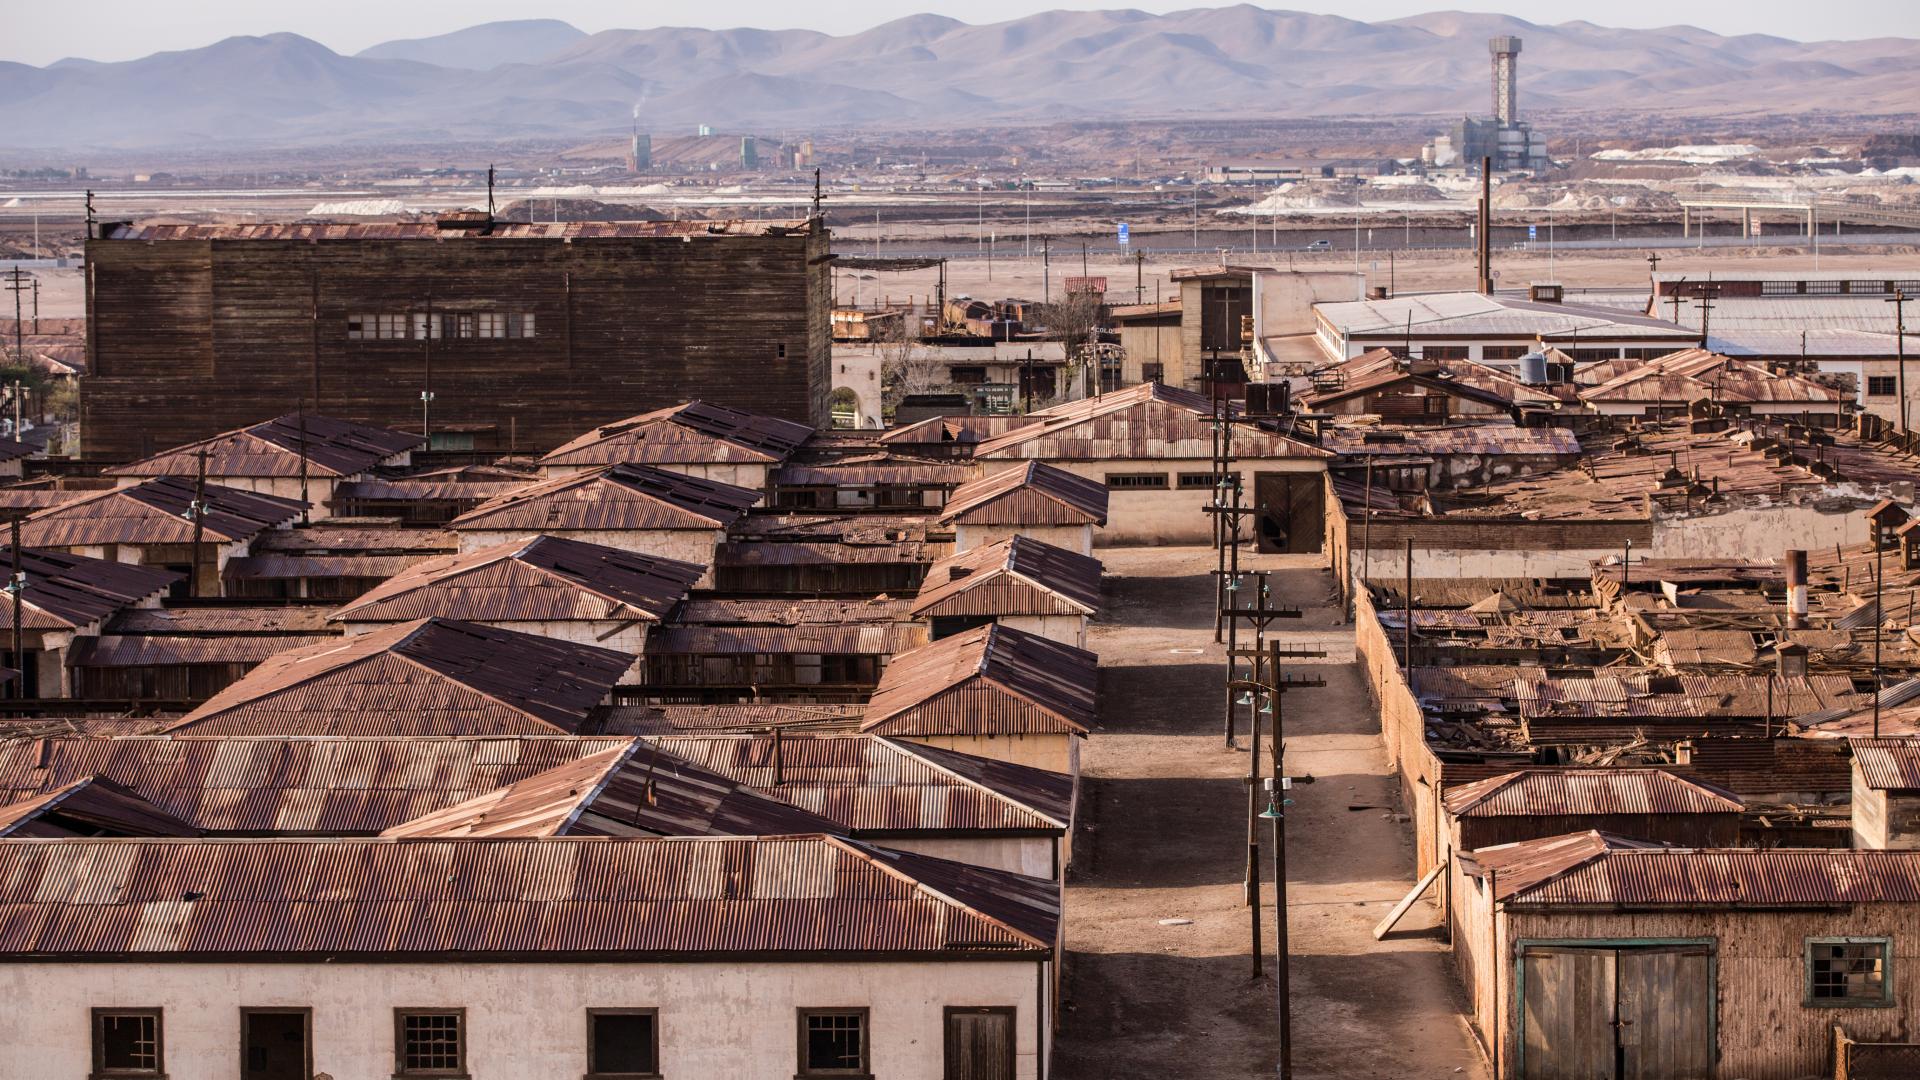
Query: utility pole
17,279
1899,302
17,584
306,509
1708,290
18,389
197,509
426,381
1139,276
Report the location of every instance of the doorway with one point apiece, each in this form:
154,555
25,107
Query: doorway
276,1044
1641,1012
979,1043
1293,508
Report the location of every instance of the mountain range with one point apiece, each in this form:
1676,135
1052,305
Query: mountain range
543,78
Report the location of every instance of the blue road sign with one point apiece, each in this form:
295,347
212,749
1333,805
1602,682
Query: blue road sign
1533,232
1123,234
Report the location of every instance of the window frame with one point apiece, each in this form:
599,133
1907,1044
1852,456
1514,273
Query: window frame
593,1067
1128,481
400,1070
1886,999
1890,382
304,1012
100,1070
803,1072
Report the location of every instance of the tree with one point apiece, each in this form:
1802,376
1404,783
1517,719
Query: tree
1075,321
907,367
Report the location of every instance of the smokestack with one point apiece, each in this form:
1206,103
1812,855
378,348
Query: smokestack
1796,590
1485,248
1506,86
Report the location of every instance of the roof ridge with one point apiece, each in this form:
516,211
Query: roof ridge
907,747
872,856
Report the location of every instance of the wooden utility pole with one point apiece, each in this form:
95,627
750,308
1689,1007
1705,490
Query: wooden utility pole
17,584
1139,277
1899,302
198,511
306,509
17,282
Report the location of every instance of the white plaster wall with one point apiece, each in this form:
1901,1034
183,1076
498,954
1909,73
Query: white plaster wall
857,368
1283,299
1170,516
1029,855
1066,629
687,545
524,1021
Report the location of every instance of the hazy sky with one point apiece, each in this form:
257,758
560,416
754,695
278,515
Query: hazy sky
38,32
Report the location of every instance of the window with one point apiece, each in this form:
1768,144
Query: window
967,376
437,325
1193,481
1849,972
430,1042
1779,288
1501,352
1826,287
1137,481
127,1042
1153,373
1443,352
623,1043
833,1042
1882,385
491,324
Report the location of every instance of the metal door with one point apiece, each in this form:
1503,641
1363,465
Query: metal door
1568,1013
980,1044
1293,512
1664,1014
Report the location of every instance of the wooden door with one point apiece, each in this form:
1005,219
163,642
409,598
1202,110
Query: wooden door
275,1044
980,1044
1293,512
1568,1013
1664,1003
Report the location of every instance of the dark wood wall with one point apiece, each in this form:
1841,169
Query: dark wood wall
192,337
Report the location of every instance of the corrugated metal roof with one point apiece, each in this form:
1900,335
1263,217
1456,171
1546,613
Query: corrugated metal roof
1498,439
1657,694
333,448
1465,313
1017,576
944,430
1888,764
90,806
164,650
156,512
272,784
1147,421
428,677
594,898
726,719
632,790
614,497
65,592
855,639
544,579
696,432
1568,792
291,567
1654,876
874,470
876,786
992,680
1032,493
428,230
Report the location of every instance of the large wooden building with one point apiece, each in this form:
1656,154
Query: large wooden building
524,334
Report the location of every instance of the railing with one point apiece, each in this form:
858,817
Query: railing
1854,1060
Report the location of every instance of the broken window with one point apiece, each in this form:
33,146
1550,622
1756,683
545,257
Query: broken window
833,1042
127,1042
1848,972
622,1043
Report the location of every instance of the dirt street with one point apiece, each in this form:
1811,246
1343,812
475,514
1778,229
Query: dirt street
1163,836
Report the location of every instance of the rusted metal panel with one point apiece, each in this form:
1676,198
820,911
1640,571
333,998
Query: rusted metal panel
275,448
71,591
1593,868
512,899
615,497
156,512
1017,576
544,579
427,677
89,807
1888,764
1560,792
696,432
1148,421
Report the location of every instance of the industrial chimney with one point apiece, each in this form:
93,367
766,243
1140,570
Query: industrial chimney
1506,85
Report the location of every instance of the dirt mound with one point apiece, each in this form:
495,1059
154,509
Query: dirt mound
565,209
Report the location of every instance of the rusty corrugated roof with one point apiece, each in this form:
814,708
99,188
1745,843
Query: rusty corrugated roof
1575,791
875,786
277,784
431,230
1031,493
992,680
695,432
726,719
156,512
1613,873
573,897
66,592
166,650
545,579
632,790
427,677
1888,764
614,497
851,639
90,806
333,448
1017,576
1148,421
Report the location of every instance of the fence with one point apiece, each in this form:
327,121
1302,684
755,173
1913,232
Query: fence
1873,1060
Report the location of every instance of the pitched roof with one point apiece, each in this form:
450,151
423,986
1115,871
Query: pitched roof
1147,420
89,806
1695,374
589,897
156,511
1595,869
694,432
944,430
547,578
1570,792
1468,313
289,784
65,592
333,448
632,790
1031,493
426,677
992,680
873,786
614,497
1017,576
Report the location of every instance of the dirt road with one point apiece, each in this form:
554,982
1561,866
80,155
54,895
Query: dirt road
1164,837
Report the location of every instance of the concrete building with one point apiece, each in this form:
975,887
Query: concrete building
1021,582
1032,499
1495,330
835,959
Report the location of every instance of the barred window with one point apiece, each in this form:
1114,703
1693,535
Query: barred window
1882,386
430,1042
1850,972
1137,481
